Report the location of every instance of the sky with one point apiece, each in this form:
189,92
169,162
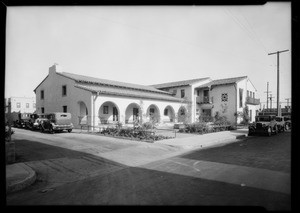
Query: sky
150,44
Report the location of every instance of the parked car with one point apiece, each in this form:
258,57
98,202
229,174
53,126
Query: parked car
265,124
22,121
280,123
37,122
57,121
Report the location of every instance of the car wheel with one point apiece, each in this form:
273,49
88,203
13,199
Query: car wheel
51,130
269,131
276,130
69,130
286,127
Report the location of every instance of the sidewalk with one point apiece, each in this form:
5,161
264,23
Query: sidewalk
18,176
195,141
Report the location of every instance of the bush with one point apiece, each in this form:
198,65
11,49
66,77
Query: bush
7,133
138,133
147,125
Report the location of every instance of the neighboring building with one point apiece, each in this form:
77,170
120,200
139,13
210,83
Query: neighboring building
94,101
22,104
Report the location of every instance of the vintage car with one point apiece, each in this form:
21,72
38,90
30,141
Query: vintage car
265,124
22,121
288,122
38,119
57,121
280,123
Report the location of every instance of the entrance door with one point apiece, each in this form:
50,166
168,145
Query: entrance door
135,114
115,114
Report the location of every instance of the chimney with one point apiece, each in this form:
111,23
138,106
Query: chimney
55,68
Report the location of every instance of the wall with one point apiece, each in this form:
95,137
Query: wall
226,108
246,84
54,101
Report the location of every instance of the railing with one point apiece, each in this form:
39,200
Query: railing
252,101
203,100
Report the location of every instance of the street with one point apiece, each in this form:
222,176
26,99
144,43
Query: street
85,169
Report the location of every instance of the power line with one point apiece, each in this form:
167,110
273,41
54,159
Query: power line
227,53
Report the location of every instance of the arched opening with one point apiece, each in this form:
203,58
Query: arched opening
133,113
108,113
169,114
153,113
182,114
83,113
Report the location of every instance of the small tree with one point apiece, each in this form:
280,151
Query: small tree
246,117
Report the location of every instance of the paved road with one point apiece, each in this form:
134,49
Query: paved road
77,169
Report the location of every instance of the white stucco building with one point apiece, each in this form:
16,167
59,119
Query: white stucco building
22,104
95,101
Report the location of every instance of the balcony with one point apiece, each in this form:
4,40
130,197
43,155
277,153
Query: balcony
252,101
204,102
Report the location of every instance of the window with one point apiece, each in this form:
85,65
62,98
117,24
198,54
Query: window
166,112
250,94
43,110
64,90
241,97
105,109
27,105
247,93
224,97
18,105
65,108
42,94
198,92
175,91
182,93
253,95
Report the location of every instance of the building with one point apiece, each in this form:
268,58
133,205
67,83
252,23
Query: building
22,104
95,101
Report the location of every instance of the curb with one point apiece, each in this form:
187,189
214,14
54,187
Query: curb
21,184
241,136
212,143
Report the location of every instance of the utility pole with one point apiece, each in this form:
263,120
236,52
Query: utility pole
271,97
278,76
267,95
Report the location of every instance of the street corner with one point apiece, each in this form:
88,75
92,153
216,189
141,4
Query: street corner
18,177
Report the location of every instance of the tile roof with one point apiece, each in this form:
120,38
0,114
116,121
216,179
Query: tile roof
223,81
127,92
178,83
92,80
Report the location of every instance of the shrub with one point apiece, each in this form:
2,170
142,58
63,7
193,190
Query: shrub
7,133
147,125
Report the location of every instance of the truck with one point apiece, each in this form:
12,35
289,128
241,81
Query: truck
264,124
56,122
